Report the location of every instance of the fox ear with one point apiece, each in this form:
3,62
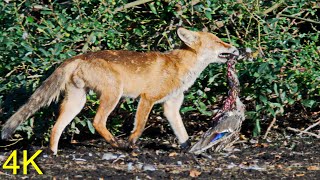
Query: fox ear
188,37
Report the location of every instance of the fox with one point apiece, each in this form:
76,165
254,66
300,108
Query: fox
153,77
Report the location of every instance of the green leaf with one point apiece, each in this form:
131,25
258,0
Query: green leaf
45,12
77,120
263,99
251,114
213,78
258,107
70,28
58,48
153,9
275,88
206,113
44,52
257,129
263,68
187,109
73,125
208,15
138,31
255,74
90,126
30,19
202,106
271,111
291,101
283,96
308,103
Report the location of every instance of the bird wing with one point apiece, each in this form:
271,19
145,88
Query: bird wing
221,132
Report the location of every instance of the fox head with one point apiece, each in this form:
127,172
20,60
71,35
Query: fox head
209,48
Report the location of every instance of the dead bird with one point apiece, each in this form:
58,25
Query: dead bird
228,120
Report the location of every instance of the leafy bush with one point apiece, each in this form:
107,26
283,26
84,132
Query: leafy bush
36,36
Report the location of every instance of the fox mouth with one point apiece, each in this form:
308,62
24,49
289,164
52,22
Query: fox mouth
226,55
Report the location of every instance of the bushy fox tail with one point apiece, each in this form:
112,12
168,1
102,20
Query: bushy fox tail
49,91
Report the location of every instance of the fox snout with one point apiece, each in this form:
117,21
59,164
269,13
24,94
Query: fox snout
233,50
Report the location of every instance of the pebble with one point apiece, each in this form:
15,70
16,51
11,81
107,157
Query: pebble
231,165
252,167
139,165
2,158
148,167
179,163
109,156
79,159
253,141
130,166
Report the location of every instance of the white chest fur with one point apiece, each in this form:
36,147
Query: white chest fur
187,80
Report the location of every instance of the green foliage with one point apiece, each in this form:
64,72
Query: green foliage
36,36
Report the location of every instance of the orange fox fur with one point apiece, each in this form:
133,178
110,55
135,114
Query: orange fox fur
154,77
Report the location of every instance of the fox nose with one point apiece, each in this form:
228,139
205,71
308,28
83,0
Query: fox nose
234,51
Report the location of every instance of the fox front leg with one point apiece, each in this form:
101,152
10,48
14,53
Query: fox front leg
171,111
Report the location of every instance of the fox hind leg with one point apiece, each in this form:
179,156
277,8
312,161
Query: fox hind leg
75,99
108,101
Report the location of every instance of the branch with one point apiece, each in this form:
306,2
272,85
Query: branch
312,126
15,142
269,127
303,19
309,133
130,5
275,6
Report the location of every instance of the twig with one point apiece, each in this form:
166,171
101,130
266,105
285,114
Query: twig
272,8
228,34
259,20
312,126
130,5
269,127
303,19
309,133
259,39
12,143
34,76
247,29
278,15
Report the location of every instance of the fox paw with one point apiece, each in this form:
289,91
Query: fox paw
185,145
132,147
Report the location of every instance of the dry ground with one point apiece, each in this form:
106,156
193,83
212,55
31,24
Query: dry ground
286,158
